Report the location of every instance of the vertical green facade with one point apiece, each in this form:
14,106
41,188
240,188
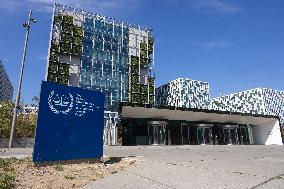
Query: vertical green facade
99,53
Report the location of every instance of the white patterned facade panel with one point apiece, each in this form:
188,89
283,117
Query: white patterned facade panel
255,101
185,93
274,102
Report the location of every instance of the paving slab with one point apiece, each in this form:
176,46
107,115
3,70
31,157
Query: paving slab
197,167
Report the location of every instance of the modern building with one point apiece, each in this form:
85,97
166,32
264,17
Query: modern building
185,114
99,53
255,101
180,126
184,92
6,87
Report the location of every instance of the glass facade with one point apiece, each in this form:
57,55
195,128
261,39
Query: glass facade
172,132
99,53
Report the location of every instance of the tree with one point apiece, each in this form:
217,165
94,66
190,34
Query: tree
6,116
25,126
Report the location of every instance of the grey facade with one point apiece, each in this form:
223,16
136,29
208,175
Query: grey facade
6,88
184,92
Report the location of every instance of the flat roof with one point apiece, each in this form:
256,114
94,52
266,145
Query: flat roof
130,111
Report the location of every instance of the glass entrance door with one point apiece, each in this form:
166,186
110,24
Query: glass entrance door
159,135
185,130
230,134
245,135
204,135
157,132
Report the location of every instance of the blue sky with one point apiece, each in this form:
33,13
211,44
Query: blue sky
234,45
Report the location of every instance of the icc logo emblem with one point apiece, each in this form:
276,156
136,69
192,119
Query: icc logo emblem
64,103
60,103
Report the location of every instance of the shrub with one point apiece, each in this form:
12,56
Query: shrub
25,126
7,174
7,180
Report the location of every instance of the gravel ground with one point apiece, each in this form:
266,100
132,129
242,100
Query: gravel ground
66,176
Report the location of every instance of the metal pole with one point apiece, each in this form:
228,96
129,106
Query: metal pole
20,83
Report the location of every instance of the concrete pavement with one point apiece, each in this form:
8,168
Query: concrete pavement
198,167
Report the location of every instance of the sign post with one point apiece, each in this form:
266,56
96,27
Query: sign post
70,123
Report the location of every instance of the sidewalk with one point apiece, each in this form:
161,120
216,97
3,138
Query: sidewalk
198,167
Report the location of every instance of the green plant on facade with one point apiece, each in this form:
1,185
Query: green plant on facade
151,99
66,38
52,77
76,50
134,60
77,40
58,19
135,98
54,47
134,79
135,88
144,99
53,57
150,45
63,69
68,29
144,89
143,46
143,54
63,73
151,90
78,31
143,62
68,19
62,79
71,37
135,70
52,68
66,48
151,81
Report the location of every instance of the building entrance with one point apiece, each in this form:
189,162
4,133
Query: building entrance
245,135
185,131
204,133
157,132
230,134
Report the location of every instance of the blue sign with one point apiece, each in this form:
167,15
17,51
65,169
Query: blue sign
70,123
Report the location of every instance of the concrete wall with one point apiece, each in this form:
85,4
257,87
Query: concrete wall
18,142
267,133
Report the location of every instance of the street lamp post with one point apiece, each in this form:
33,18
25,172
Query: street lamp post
26,25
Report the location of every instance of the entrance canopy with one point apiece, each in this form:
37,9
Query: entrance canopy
196,115
265,128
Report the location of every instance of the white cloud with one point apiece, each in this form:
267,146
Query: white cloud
113,7
215,44
215,6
